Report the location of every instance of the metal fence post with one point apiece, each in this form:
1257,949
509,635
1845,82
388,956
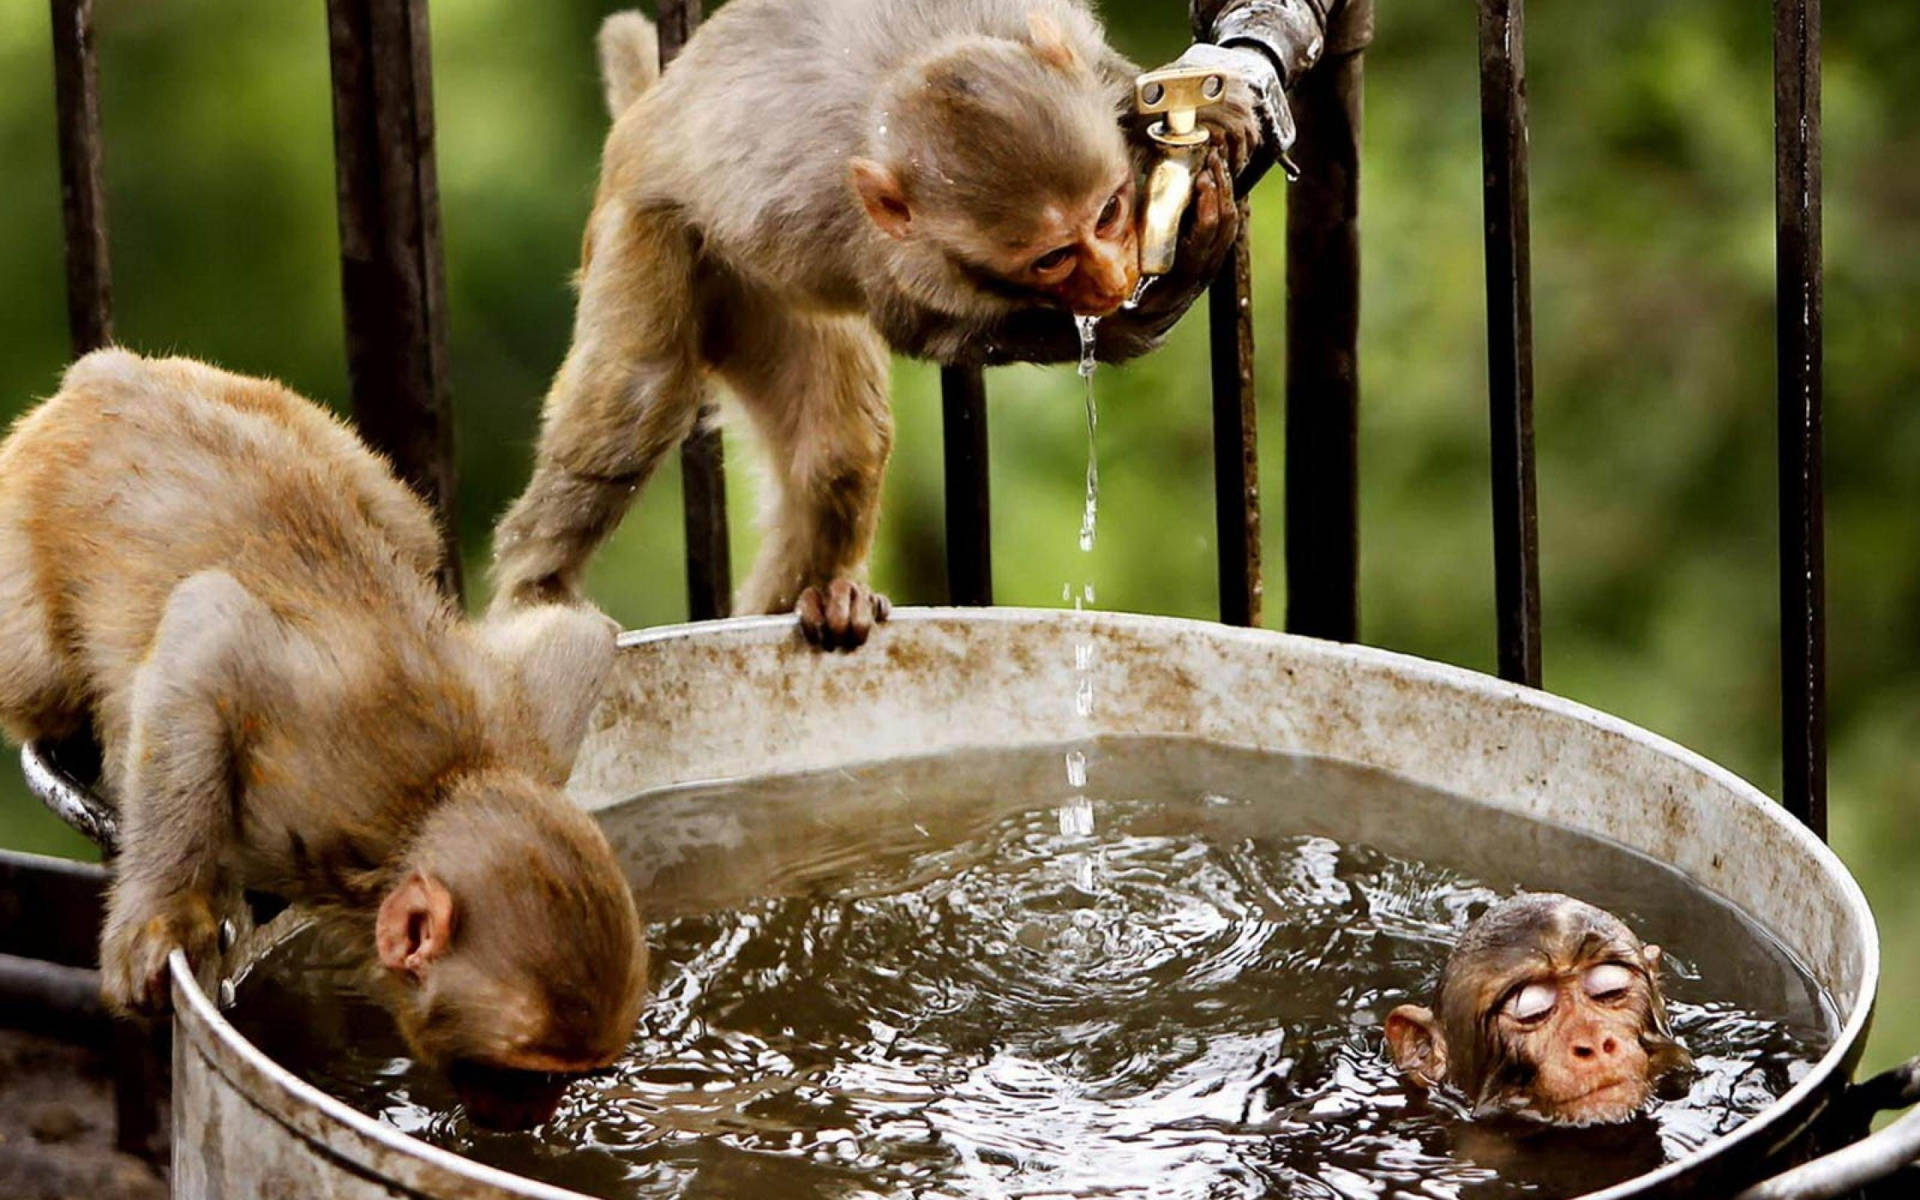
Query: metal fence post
392,277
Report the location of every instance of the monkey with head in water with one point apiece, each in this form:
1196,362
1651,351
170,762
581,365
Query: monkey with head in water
1549,1010
812,183
237,597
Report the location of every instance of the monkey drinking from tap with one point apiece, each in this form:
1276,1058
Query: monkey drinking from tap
810,184
237,597
1548,1010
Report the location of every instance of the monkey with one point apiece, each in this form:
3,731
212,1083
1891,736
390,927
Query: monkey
811,184
237,596
1549,1010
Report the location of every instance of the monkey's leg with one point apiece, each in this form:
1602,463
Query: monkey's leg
177,803
629,391
816,388
37,696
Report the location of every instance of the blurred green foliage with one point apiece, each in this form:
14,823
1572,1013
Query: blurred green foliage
1652,218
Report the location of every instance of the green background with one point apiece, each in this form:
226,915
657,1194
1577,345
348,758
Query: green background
1653,245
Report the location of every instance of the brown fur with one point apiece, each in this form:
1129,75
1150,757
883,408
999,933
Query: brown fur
238,596
809,183
1587,1060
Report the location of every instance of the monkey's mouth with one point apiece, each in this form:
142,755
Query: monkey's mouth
1609,1103
504,1098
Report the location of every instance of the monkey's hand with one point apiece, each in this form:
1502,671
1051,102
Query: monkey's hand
1213,225
134,949
841,615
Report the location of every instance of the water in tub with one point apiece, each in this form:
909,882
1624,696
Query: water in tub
880,981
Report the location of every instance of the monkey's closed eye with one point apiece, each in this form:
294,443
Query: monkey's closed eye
1532,1002
1608,981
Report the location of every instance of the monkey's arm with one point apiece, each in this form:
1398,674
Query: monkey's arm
177,802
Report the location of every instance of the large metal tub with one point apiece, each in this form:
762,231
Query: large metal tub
746,697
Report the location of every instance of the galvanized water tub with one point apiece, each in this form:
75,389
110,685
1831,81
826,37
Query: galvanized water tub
747,697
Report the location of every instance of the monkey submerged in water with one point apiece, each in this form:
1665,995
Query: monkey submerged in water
1549,1010
237,596
810,183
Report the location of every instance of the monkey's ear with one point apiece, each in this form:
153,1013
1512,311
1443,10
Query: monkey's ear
1652,956
1418,1047
882,196
415,924
1050,41
560,655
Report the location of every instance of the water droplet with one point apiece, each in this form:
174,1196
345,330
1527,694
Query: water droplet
1088,344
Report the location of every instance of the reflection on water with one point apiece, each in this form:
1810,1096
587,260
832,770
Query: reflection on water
918,979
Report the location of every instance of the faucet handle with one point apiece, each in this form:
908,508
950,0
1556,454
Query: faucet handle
1177,94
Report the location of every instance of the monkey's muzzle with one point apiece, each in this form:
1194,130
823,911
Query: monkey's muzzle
505,1099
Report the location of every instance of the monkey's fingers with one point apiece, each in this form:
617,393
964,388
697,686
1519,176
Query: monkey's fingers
133,959
1216,221
1226,229
841,615
1236,134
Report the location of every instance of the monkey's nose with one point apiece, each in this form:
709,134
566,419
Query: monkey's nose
1606,1047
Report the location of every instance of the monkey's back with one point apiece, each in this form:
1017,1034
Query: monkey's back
140,473
783,90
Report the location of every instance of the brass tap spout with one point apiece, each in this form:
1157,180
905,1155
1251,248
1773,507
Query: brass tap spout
1177,94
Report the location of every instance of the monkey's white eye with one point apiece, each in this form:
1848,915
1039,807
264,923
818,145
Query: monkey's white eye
1607,981
1111,212
1532,1002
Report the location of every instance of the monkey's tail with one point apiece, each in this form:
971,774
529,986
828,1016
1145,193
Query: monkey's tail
629,58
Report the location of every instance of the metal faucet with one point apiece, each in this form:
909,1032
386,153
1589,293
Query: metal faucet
1177,94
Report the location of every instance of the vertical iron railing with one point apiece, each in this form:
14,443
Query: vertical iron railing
1797,342
392,277
74,895
1236,447
963,407
76,81
1503,148
703,469
1323,339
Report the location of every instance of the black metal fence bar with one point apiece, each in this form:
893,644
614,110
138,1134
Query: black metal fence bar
1503,144
50,911
392,278
963,408
1803,631
1236,458
703,468
1323,328
76,83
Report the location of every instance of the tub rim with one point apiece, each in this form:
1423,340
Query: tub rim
273,1088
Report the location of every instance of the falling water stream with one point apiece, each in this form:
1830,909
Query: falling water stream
1076,814
1090,514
